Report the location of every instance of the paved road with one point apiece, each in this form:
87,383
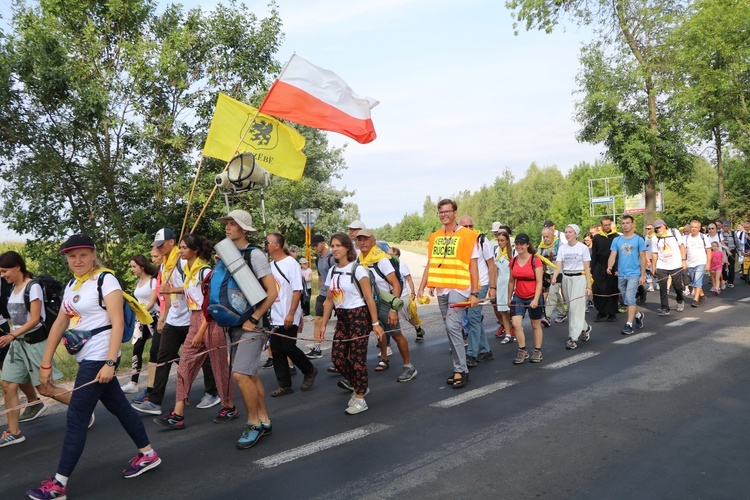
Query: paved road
660,414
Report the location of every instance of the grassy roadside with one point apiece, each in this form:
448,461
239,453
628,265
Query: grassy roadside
68,365
419,247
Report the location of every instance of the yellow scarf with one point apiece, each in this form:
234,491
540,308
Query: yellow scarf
80,280
607,235
546,261
543,245
192,272
503,251
170,262
374,256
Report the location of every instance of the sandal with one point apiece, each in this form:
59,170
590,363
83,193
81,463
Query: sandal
506,339
460,381
383,365
333,369
282,391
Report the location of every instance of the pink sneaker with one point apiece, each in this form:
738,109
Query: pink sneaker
140,464
49,489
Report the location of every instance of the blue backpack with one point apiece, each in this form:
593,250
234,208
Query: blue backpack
127,312
227,304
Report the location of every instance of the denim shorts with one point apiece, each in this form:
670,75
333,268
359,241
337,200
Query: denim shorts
519,306
696,276
628,286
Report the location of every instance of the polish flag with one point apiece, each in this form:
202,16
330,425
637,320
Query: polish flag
312,96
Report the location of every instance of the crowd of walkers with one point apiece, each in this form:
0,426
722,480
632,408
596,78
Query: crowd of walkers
366,287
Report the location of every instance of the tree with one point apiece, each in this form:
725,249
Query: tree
625,104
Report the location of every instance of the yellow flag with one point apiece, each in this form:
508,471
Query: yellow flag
277,147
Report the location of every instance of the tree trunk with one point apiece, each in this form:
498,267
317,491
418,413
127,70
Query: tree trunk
719,165
650,184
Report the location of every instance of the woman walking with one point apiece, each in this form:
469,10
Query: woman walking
93,334
350,294
525,289
145,293
502,259
573,261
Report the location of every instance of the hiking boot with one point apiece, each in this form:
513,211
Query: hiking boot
536,356
409,373
485,356
250,436
628,330
32,412
471,361
570,344
680,306
521,356
309,380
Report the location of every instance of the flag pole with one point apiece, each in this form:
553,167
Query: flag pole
226,167
260,108
190,198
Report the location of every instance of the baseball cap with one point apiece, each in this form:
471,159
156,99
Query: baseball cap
366,233
163,235
303,261
496,227
522,238
317,238
242,218
77,241
658,223
357,224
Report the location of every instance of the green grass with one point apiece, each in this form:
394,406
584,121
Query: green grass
419,247
68,365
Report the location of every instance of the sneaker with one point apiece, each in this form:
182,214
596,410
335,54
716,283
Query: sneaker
536,356
664,312
471,361
226,414
420,335
628,330
485,356
7,438
208,401
730,285
409,373
639,320
562,318
357,406
521,356
268,363
622,309
680,306
314,353
586,334
292,371
267,428
354,396
250,436
130,388
723,285
546,323
650,288
570,344
140,398
91,421
32,412
140,464
49,489
500,332
309,380
389,352
171,421
345,384
147,407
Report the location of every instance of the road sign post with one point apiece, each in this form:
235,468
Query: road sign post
307,217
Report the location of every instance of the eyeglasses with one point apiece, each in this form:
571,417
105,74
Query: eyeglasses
445,212
711,227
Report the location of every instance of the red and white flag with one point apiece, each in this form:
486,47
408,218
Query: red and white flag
318,98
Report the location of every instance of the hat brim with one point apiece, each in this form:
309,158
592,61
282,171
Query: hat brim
157,243
66,250
249,229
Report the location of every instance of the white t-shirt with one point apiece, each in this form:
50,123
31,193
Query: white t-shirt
344,291
85,313
386,267
178,314
405,271
484,254
193,291
17,309
695,248
307,274
572,257
290,282
668,251
143,294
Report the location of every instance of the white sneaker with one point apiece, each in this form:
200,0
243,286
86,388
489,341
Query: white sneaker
208,401
354,396
680,306
130,388
356,406
389,352
92,420
723,285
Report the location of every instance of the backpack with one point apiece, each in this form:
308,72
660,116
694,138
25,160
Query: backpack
513,262
5,290
374,289
396,267
52,298
132,312
227,304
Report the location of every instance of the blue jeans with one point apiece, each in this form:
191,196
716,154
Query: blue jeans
477,336
82,404
628,286
696,275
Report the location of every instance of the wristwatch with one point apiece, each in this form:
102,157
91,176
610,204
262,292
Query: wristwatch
110,363
475,294
253,320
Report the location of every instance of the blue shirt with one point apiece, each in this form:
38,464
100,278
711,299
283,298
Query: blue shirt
628,254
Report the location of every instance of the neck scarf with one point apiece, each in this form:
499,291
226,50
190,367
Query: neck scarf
80,280
170,262
503,252
192,272
374,256
610,233
543,245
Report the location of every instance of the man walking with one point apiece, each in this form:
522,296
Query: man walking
668,259
605,285
698,253
629,251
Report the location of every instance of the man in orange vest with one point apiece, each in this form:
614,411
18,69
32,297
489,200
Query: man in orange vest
453,276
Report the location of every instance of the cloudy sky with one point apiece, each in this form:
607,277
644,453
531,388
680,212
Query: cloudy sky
461,97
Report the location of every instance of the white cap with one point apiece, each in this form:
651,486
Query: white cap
242,218
356,224
495,227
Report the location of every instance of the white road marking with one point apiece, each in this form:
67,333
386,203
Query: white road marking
634,338
570,360
717,309
473,394
316,446
746,299
681,322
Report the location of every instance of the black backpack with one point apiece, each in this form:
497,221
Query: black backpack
396,267
52,293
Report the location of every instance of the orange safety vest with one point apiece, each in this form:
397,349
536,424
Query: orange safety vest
450,258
